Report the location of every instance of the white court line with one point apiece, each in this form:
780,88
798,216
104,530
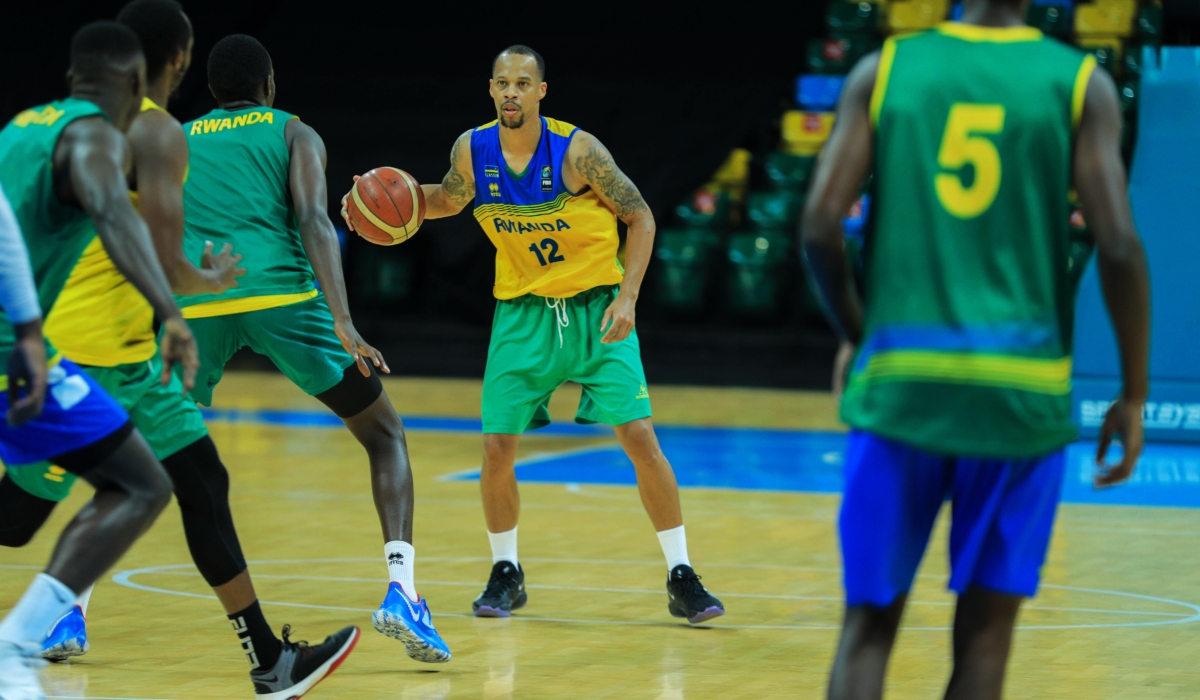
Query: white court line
124,578
96,697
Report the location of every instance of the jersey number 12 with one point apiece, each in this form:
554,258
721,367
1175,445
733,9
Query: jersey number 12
550,246
962,143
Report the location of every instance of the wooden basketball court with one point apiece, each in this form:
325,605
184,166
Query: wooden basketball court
1118,618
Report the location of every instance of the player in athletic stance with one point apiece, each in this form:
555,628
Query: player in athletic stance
549,196
101,321
63,165
959,353
257,180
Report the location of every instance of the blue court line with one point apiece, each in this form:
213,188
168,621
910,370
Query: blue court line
1168,474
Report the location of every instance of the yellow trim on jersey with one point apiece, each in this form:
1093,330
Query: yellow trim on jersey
1080,92
560,128
149,105
1043,376
998,35
226,307
489,125
556,205
884,72
49,363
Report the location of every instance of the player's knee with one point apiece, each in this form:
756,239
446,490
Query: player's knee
200,480
499,451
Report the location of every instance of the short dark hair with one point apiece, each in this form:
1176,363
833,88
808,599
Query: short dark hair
523,50
237,66
99,45
162,28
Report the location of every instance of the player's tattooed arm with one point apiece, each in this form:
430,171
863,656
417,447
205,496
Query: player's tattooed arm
589,164
594,165
458,186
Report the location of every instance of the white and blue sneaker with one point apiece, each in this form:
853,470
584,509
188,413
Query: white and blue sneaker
67,638
411,623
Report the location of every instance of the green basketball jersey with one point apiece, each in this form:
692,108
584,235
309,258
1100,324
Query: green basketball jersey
237,191
55,233
968,300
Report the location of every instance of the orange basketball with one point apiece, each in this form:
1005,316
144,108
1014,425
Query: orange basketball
386,206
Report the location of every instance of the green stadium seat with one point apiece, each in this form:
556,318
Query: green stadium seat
852,17
384,278
828,57
1128,95
1052,20
774,211
705,209
1132,63
1106,58
858,44
685,263
1150,25
756,273
789,172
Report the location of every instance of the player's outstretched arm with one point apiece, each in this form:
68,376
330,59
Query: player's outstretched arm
310,197
160,159
844,165
97,159
19,299
457,189
1124,277
590,164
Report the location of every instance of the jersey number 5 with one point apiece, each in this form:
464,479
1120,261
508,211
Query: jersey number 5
962,144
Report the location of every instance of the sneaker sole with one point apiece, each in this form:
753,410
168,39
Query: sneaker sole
708,614
489,611
417,649
323,671
65,651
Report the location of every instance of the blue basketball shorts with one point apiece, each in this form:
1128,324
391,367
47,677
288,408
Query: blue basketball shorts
77,413
1002,515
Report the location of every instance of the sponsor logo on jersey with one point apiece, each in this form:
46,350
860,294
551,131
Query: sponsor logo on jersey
491,171
514,226
494,189
643,394
208,126
45,117
547,178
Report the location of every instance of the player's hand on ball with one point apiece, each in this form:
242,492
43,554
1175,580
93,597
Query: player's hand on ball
1124,420
358,348
178,347
621,315
223,267
346,214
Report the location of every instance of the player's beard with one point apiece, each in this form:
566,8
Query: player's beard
515,123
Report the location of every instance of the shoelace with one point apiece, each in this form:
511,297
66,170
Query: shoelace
302,646
691,585
560,315
497,585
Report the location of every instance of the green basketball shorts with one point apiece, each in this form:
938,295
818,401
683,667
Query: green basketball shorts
298,338
164,415
539,343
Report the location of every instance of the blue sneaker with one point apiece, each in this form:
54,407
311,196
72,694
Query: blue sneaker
399,618
68,637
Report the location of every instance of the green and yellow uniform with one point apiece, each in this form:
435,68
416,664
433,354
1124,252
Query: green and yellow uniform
102,322
980,363
238,192
556,273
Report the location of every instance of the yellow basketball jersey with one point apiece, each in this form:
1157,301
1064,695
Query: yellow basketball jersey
549,241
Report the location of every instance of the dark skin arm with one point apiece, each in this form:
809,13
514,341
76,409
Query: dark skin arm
844,166
160,157
589,164
1124,278
26,373
310,198
90,163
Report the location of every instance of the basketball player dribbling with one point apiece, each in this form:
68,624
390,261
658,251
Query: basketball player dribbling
549,195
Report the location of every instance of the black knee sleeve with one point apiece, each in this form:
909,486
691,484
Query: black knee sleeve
21,514
354,393
202,488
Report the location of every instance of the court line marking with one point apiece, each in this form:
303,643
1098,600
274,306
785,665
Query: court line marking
124,578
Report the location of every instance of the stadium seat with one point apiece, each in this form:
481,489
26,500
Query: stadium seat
828,57
705,209
789,172
818,93
915,15
384,278
1110,18
1052,19
804,133
733,176
685,265
755,273
1150,25
852,17
1106,49
774,211
1131,65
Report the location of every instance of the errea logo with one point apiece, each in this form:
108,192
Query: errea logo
494,189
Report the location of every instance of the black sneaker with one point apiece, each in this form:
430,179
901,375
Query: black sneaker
688,597
505,591
300,666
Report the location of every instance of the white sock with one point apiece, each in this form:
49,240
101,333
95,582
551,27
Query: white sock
504,546
674,547
85,598
46,600
401,558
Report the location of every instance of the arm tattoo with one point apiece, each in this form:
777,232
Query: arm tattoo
456,187
598,169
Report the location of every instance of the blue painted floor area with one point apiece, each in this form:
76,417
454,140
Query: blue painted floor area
772,460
